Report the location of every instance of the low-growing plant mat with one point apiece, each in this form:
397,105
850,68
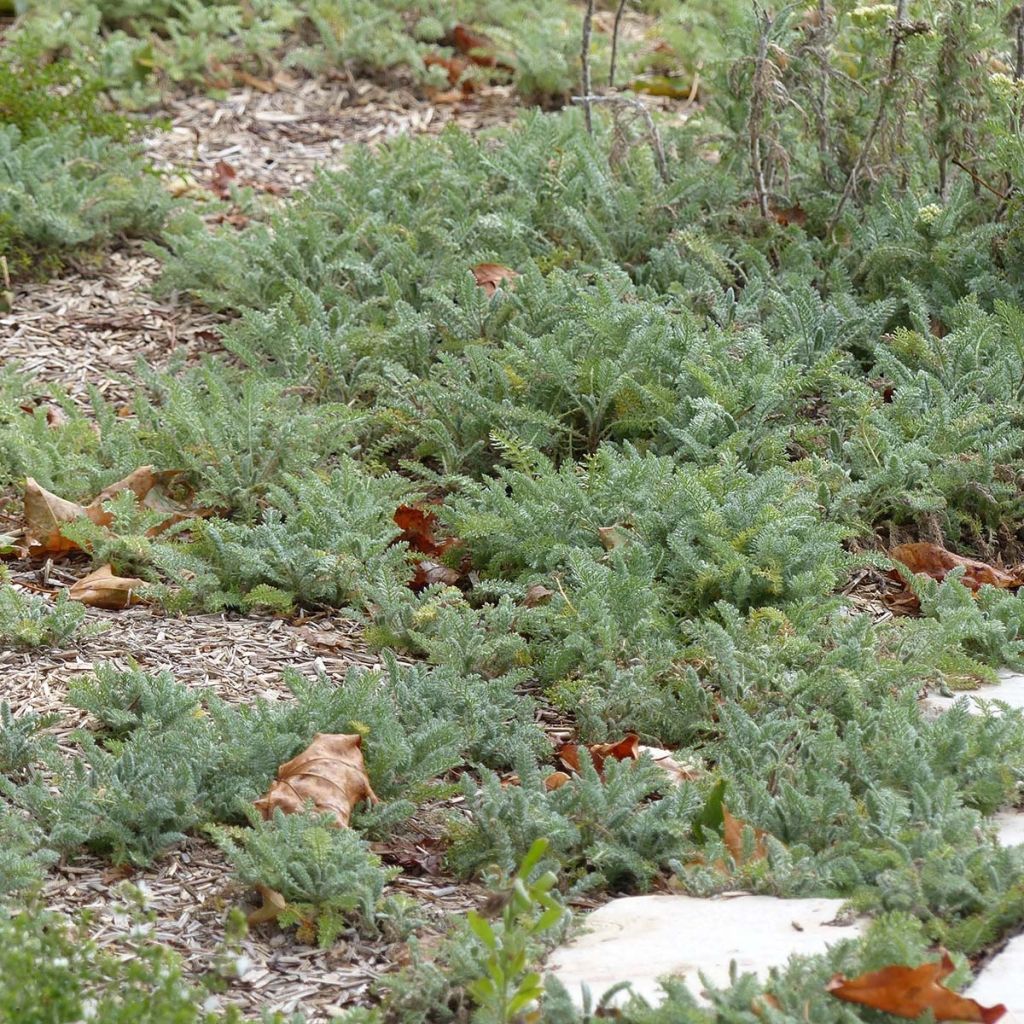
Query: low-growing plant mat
190,891
660,506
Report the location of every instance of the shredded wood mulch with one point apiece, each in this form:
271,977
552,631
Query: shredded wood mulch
92,326
276,141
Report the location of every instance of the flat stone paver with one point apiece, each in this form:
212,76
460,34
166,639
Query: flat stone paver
643,938
1010,830
1010,690
1002,981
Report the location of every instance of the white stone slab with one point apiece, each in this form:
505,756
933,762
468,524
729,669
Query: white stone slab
1002,981
1009,689
1009,829
643,938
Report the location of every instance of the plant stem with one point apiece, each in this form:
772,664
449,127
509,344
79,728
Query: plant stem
756,118
588,18
900,30
615,42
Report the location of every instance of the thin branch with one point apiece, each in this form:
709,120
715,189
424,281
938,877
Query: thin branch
979,181
1018,66
756,116
900,30
824,129
615,44
654,137
588,18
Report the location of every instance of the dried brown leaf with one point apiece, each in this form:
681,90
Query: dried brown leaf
937,562
537,594
732,835
330,772
102,589
45,514
492,276
911,991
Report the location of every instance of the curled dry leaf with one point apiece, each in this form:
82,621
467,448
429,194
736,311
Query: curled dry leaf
937,562
330,772
537,594
492,276
613,536
626,749
556,780
911,991
418,531
46,513
272,906
102,589
732,835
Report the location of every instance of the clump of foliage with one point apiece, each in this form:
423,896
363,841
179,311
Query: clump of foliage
29,620
20,745
123,701
52,972
327,875
70,181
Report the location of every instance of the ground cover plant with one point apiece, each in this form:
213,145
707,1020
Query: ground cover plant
605,425
141,48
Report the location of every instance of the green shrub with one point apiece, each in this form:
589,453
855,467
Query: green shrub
27,620
327,875
64,191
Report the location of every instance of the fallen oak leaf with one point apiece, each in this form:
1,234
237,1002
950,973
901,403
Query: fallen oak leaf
330,772
492,276
537,594
911,991
732,836
936,562
417,526
45,513
102,589
272,906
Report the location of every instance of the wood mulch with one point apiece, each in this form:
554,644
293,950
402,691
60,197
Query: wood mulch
276,141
